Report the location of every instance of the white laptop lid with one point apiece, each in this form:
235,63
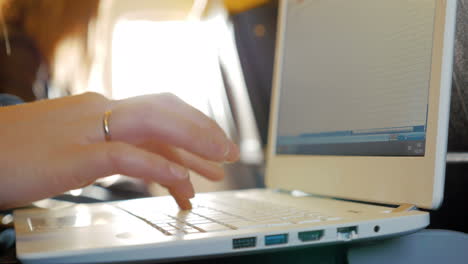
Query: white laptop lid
361,99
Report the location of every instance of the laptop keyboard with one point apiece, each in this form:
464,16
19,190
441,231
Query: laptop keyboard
225,215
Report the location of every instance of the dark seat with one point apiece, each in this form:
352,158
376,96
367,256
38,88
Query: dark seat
19,69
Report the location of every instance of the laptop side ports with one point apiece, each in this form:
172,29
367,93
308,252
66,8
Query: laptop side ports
245,242
276,239
347,233
307,236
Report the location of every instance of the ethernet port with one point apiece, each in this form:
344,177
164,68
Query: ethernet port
347,233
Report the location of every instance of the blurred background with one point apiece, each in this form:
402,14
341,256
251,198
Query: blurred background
216,55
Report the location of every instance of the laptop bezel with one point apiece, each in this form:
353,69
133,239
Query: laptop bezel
388,180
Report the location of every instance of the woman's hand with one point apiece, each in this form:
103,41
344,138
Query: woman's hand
49,147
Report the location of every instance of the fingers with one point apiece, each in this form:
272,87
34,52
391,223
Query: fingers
182,193
210,170
152,118
170,101
120,158
103,159
183,202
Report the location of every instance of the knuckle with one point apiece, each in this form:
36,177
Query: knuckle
170,99
214,139
95,97
194,130
216,134
213,126
218,150
213,149
162,173
169,95
158,164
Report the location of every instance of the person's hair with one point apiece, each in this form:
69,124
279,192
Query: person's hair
48,22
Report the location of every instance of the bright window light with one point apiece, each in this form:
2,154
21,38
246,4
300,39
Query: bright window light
172,56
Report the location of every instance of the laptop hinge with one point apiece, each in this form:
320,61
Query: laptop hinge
398,209
404,208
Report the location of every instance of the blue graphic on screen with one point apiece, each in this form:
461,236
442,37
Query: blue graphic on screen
394,141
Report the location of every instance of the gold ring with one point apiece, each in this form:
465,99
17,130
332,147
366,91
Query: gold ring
105,123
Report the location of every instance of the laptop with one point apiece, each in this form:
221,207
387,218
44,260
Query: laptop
357,143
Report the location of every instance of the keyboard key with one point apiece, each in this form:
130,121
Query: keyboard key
164,226
194,217
178,226
191,231
199,221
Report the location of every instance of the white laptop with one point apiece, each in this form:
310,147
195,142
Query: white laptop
357,141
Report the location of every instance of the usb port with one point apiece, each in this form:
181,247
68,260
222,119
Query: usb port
276,239
310,235
245,242
347,233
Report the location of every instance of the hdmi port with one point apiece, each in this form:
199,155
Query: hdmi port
308,236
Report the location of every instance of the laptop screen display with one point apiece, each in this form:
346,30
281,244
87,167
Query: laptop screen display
350,87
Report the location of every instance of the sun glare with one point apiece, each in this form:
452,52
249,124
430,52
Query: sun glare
173,56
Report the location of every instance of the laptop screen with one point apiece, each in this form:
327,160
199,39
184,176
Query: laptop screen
350,87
